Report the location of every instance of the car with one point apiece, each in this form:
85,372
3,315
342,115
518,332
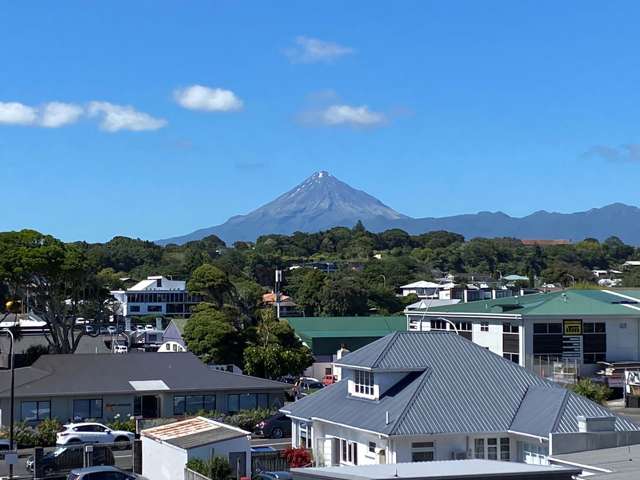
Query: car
112,330
273,476
89,329
148,327
120,349
67,458
276,426
102,473
329,380
139,328
75,433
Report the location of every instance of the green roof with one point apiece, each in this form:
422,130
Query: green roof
623,302
325,335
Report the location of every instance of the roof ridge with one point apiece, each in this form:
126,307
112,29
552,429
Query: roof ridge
385,349
556,421
426,374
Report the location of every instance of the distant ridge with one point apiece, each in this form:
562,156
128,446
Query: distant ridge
322,201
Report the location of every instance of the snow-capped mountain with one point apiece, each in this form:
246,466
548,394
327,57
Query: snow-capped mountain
319,202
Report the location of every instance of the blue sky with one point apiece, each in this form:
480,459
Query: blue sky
152,119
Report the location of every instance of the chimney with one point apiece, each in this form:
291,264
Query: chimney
596,424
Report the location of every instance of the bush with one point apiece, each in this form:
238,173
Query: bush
25,435
597,392
247,419
118,423
216,468
297,457
46,432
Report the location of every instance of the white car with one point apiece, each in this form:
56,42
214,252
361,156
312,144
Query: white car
148,327
139,328
89,329
120,349
76,433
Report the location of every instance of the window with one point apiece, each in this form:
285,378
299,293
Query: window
233,403
35,411
492,448
484,326
422,451
191,404
134,308
514,357
372,447
509,328
159,283
246,401
348,452
154,308
463,326
439,325
304,435
89,408
363,381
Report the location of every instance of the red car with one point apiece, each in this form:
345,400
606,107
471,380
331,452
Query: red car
329,379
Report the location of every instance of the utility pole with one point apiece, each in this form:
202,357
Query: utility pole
276,291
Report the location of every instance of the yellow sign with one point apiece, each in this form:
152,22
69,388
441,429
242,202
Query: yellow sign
573,327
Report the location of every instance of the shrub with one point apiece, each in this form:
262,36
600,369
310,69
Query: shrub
216,468
25,435
247,419
297,457
118,423
597,392
46,432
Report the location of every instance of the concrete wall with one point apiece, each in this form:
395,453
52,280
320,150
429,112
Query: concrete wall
161,461
223,449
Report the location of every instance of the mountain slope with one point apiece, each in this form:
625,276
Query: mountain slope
320,202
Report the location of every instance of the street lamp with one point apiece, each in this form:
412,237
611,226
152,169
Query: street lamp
10,333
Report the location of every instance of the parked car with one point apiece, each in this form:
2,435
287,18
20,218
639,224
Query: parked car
67,458
148,327
276,426
329,380
112,330
120,349
74,433
102,473
89,329
140,328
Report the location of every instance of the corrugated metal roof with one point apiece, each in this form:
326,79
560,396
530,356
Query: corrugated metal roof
193,432
312,327
456,386
540,410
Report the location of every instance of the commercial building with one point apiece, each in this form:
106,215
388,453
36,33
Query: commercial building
578,327
101,386
166,449
424,396
157,295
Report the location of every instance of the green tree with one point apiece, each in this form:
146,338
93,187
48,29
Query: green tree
210,335
212,283
276,351
596,392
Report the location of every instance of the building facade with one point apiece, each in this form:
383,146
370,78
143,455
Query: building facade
577,327
157,295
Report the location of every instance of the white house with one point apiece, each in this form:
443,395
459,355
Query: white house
167,449
157,295
423,396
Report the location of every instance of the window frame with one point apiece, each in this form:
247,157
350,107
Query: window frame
484,326
91,405
37,403
420,448
364,383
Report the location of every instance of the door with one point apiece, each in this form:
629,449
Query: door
238,462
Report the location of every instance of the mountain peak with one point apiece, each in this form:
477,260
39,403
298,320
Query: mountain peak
320,174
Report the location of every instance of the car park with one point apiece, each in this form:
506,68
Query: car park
75,433
65,458
276,426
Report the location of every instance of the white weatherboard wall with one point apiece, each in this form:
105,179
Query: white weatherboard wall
323,431
162,461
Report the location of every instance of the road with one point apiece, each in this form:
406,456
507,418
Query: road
124,458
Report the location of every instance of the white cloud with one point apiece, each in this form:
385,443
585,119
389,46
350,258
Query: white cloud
14,113
313,50
198,97
57,114
123,117
348,115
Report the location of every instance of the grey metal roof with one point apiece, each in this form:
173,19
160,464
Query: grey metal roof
460,387
452,469
60,375
540,410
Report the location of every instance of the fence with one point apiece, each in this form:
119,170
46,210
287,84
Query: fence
268,462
